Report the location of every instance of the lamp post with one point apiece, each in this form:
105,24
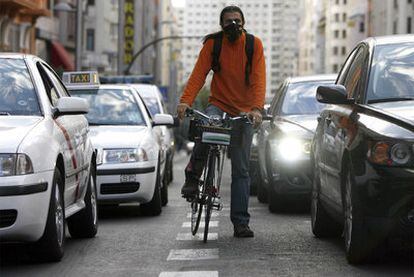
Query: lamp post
65,7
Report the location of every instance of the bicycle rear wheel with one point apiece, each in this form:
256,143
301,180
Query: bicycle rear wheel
210,192
196,210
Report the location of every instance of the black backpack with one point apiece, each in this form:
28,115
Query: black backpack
249,49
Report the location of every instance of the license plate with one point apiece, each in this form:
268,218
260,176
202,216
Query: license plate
128,178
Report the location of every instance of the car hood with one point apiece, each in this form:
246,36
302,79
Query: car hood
117,136
402,109
298,125
13,129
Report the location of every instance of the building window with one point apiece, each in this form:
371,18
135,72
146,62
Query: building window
344,17
90,39
361,27
394,27
91,2
337,17
343,50
344,2
409,25
343,33
336,33
395,4
335,68
335,51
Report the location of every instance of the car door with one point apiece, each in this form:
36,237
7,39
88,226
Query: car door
74,129
336,125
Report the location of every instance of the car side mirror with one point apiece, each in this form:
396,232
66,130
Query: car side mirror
71,106
333,94
163,119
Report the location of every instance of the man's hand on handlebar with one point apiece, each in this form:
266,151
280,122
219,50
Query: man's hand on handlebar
181,108
256,117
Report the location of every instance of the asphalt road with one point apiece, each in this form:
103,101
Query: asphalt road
130,244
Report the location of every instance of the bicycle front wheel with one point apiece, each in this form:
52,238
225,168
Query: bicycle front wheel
210,192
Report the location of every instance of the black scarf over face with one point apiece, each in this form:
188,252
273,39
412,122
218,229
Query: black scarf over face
232,31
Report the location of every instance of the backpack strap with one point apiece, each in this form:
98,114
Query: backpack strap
249,48
215,62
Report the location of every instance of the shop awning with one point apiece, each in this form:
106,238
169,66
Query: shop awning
60,57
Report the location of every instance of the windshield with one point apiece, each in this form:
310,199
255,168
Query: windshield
392,73
300,98
111,107
152,105
17,93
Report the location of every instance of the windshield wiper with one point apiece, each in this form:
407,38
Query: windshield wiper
392,99
4,113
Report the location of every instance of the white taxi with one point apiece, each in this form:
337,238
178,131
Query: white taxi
122,131
154,101
47,163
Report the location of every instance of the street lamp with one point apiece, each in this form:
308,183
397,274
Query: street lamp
65,7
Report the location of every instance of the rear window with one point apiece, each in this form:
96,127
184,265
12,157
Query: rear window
17,93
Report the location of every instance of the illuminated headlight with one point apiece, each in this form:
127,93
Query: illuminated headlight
388,153
131,155
292,149
15,164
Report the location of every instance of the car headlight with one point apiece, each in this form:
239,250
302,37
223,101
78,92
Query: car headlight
389,153
15,164
292,149
127,155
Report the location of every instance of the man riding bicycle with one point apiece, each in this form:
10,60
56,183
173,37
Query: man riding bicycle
238,85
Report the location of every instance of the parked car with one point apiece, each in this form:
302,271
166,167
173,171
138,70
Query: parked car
47,162
128,150
362,153
155,103
285,142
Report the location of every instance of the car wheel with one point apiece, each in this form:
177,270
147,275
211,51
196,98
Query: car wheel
164,194
322,223
254,177
50,247
84,224
153,208
277,201
358,247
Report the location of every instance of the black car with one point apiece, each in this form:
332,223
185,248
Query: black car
284,142
363,149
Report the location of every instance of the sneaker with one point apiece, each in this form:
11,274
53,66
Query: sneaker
189,189
243,231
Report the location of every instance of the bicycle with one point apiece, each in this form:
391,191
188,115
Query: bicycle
216,132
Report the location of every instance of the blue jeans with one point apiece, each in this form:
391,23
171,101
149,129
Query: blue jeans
241,139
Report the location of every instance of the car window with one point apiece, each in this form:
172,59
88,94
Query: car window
152,104
273,104
17,93
345,68
111,107
61,90
392,73
51,91
300,98
354,75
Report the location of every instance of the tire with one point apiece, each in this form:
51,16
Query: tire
322,223
153,208
84,224
196,210
209,207
277,202
164,194
254,178
50,247
358,244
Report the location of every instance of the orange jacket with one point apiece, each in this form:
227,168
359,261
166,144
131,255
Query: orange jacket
228,89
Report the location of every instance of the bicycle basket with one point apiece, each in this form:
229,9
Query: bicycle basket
215,135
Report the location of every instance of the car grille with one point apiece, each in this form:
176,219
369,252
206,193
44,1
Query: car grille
7,218
117,188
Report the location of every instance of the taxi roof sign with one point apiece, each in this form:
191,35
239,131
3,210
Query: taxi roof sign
81,79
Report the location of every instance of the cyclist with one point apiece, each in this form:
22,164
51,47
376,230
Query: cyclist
238,85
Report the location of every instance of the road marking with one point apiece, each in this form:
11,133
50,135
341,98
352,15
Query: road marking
193,254
250,208
213,214
202,224
190,274
198,236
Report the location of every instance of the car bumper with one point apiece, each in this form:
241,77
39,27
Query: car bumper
24,204
292,177
137,185
388,197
